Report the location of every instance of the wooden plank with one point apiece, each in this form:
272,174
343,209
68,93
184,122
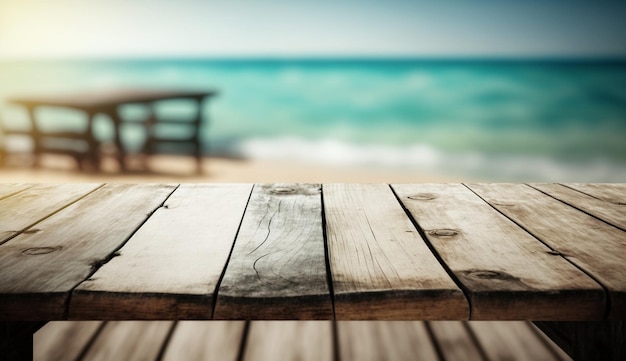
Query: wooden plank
130,341
610,192
197,226
587,242
384,340
63,340
381,268
39,269
454,341
277,269
511,340
289,340
609,205
559,352
36,203
200,340
506,272
9,189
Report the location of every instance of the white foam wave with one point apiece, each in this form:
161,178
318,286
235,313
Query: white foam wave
426,158
335,152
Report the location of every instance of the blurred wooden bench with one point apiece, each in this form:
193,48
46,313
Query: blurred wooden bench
83,145
551,253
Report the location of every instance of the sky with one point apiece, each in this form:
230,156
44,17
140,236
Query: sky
36,29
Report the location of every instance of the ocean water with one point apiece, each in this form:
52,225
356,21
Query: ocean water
487,120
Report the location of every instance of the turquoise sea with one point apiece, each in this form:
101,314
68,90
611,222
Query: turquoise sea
496,120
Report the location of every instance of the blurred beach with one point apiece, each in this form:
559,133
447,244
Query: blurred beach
177,169
409,119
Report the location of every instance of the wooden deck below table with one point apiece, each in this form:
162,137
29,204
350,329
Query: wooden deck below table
294,340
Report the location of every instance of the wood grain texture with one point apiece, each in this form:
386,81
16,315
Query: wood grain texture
593,245
277,269
384,340
199,341
62,340
610,192
36,203
506,272
289,340
130,341
39,269
455,342
608,204
503,341
9,189
381,268
171,266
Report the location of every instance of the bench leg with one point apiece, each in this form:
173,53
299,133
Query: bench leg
117,133
602,340
198,156
16,340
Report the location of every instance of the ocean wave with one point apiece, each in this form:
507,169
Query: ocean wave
426,158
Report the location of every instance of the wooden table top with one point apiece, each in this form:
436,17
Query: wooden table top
97,99
311,251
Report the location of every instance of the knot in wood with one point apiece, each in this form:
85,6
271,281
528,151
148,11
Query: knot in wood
486,275
502,204
443,232
422,197
36,251
282,190
555,253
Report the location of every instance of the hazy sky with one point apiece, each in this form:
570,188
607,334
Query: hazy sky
179,28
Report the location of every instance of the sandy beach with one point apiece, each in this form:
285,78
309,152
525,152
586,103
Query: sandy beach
179,169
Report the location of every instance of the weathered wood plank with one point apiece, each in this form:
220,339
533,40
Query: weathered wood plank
609,204
504,341
130,341
63,340
506,273
381,268
9,189
170,268
36,203
201,340
455,342
39,269
384,340
587,242
277,269
610,192
289,340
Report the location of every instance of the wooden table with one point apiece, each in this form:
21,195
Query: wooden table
107,102
541,252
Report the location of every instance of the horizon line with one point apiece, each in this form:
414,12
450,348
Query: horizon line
330,57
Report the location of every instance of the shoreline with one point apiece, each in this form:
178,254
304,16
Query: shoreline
181,169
